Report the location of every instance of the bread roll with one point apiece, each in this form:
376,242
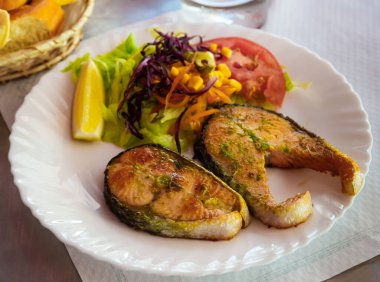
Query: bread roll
37,21
9,5
48,11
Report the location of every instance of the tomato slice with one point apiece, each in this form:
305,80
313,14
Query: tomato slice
255,68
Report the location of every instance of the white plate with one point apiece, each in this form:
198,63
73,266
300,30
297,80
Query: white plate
62,180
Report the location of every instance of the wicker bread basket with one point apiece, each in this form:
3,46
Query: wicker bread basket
45,54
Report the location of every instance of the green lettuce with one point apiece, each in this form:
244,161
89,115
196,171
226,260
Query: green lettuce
76,65
115,66
288,82
157,128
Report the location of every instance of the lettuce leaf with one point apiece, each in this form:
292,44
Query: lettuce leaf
114,128
117,65
156,127
288,82
292,84
75,66
112,65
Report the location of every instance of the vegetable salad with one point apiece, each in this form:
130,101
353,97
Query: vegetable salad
163,91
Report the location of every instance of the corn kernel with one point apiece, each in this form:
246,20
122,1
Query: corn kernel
195,83
185,78
218,74
226,52
181,68
235,84
174,71
213,47
225,70
218,83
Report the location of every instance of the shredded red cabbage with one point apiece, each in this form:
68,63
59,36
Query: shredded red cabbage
152,76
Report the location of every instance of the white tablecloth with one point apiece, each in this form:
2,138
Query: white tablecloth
344,32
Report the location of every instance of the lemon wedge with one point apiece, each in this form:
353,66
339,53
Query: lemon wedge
5,27
87,119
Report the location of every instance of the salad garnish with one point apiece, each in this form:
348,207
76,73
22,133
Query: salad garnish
163,91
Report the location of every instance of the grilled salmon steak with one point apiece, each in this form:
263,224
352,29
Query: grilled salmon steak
155,189
239,141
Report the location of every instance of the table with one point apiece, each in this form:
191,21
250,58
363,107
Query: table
29,251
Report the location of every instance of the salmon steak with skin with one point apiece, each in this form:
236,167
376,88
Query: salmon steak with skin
238,143
154,189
